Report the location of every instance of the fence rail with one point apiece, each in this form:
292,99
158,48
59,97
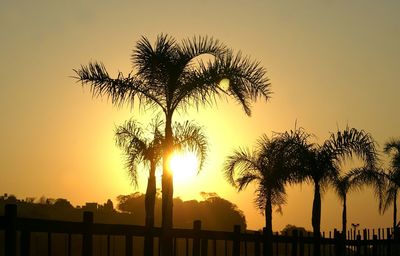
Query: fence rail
22,236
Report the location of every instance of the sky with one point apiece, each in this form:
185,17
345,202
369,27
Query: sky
330,64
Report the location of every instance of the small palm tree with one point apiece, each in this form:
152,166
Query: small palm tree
392,148
138,149
172,75
353,180
269,166
131,138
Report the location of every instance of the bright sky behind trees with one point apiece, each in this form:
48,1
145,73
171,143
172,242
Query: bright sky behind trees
331,63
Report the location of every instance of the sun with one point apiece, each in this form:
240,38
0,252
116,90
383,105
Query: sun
184,166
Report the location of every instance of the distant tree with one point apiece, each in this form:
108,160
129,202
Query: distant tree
62,203
109,206
30,200
11,199
288,230
215,212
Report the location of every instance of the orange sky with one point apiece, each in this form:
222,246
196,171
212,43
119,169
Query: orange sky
331,63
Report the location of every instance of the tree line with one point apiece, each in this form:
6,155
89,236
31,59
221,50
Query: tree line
215,213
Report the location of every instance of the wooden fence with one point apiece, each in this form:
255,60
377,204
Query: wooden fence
25,236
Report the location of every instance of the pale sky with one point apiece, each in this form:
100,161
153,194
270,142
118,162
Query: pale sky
331,64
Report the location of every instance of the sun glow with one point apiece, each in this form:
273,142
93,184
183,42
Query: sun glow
224,84
184,165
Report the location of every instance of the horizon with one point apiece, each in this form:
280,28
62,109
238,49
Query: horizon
330,65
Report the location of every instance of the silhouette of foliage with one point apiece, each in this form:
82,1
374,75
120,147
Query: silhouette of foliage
320,164
270,166
172,75
215,212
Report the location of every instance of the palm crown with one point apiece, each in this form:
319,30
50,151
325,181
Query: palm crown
171,75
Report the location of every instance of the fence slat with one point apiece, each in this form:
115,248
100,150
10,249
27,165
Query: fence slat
11,230
236,240
87,242
196,239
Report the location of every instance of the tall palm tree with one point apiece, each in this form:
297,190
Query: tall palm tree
171,76
392,148
131,138
320,164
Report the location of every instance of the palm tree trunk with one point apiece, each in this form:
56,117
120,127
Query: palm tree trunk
167,190
150,200
316,210
268,213
394,212
268,224
316,218
344,217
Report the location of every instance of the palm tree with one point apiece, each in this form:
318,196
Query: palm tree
171,76
130,137
269,166
138,149
392,148
320,164
343,184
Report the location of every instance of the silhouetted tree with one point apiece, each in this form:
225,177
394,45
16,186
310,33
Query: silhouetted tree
288,230
131,138
167,77
215,212
63,203
320,164
392,148
270,166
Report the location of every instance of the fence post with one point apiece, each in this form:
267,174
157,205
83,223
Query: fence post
25,243
358,253
11,230
301,243
396,245
267,246
196,239
149,241
389,242
236,240
317,244
204,247
374,245
294,242
87,241
128,245
338,242
257,251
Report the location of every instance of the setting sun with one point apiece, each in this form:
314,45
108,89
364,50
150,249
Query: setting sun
184,166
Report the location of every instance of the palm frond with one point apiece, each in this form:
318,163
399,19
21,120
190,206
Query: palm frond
120,90
199,45
393,147
352,141
240,163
